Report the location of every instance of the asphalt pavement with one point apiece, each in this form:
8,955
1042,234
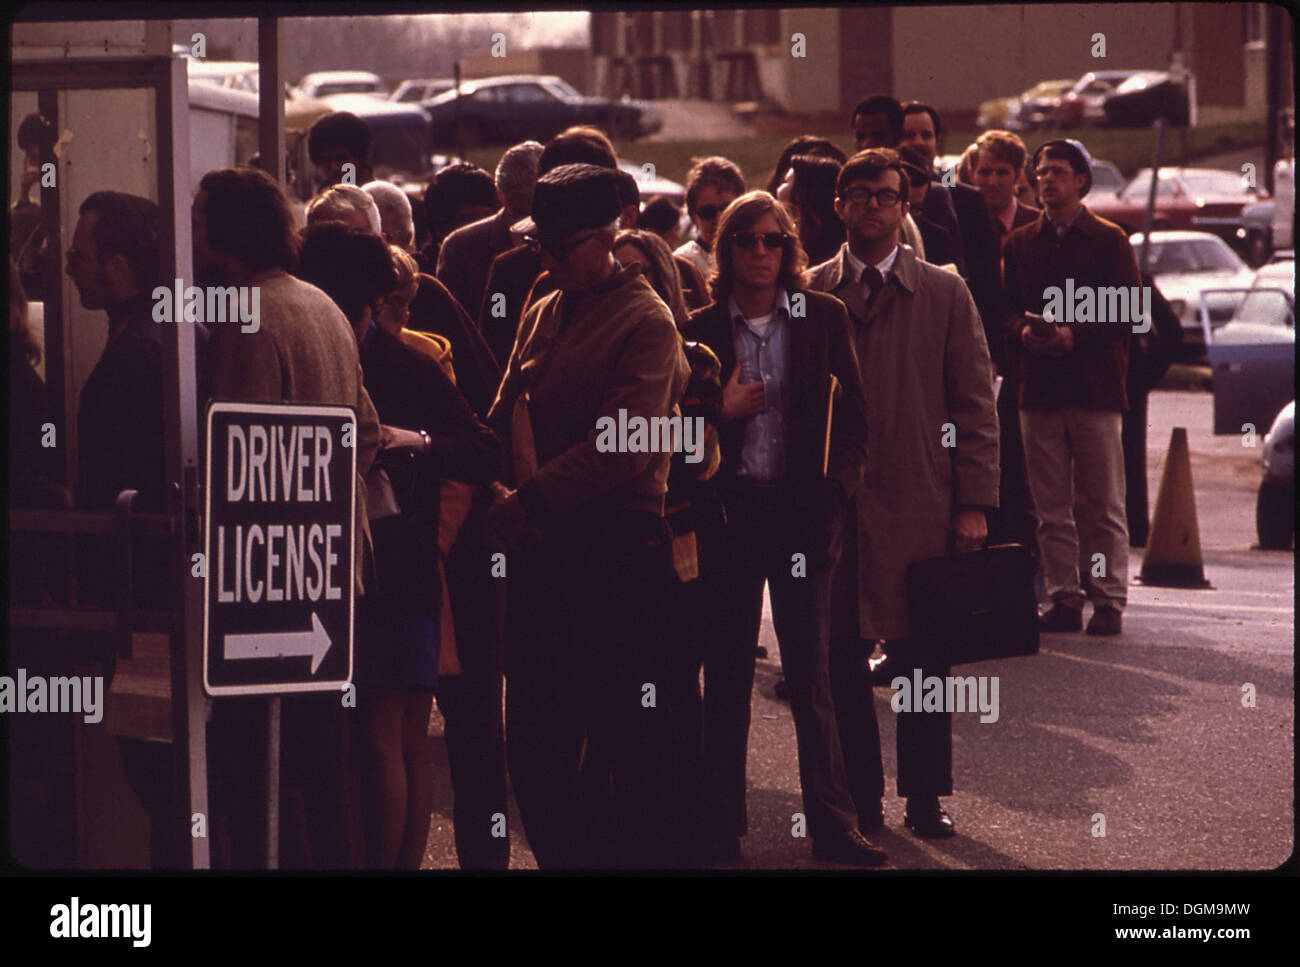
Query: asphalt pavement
1144,737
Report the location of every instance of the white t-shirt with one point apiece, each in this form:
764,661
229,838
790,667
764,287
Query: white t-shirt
760,324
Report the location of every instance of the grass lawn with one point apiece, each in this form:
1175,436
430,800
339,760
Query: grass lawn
1128,148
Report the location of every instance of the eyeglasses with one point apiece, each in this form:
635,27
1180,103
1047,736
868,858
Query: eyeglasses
750,240
885,197
557,251
1057,171
708,213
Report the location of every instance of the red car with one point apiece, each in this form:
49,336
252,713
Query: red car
1082,103
1190,199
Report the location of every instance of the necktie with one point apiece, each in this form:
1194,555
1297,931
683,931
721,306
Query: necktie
873,282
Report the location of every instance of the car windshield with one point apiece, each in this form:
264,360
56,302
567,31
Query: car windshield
1141,185
1193,255
1106,178
1214,182
1139,82
559,88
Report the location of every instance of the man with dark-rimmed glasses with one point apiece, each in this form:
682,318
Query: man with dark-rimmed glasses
934,433
786,478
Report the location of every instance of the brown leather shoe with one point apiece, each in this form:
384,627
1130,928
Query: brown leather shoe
851,848
1061,617
1106,621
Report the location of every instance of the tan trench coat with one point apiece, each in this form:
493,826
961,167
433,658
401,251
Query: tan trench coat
925,363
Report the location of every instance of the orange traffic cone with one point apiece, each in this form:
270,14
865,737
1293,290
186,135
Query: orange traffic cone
1173,555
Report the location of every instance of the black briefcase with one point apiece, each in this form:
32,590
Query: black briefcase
974,606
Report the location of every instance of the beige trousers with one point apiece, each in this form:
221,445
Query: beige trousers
1076,473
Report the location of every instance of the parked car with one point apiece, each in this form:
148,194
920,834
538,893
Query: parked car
321,84
505,110
238,75
1034,107
1252,356
1145,96
1185,263
656,185
1275,507
1255,233
1082,103
1201,199
422,89
400,136
996,112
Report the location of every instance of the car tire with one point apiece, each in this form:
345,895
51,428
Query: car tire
1275,516
1257,248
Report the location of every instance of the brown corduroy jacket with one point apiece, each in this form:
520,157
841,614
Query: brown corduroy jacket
1093,253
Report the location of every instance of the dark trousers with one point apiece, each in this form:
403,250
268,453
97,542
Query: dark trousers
589,737
1133,436
757,547
1014,521
924,739
471,703
320,806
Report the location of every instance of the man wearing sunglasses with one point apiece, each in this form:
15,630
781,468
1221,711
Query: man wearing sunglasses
586,546
711,185
934,438
786,478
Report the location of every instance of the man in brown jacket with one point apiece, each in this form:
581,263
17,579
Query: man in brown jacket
934,472
301,351
587,549
785,481
1072,397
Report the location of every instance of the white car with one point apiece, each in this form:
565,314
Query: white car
421,89
238,75
651,183
323,84
1184,263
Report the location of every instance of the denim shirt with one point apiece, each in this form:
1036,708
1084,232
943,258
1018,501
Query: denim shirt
762,457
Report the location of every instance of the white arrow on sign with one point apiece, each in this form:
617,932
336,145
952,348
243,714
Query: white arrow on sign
281,645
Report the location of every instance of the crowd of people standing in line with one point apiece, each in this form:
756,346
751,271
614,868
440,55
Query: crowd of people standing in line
825,330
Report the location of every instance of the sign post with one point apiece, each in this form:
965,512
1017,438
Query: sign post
280,549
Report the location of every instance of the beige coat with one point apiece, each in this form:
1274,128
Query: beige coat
925,363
